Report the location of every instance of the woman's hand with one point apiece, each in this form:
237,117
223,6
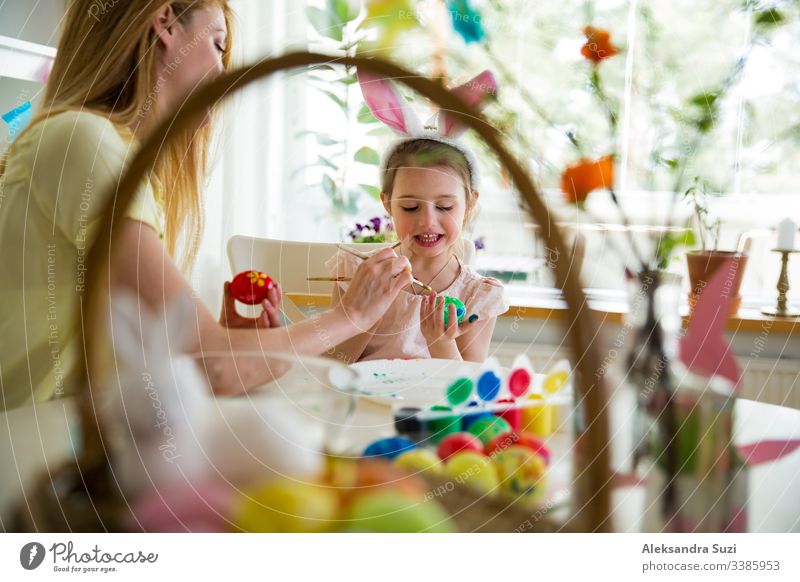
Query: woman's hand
374,287
270,316
441,338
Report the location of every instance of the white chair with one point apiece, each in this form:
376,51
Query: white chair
291,263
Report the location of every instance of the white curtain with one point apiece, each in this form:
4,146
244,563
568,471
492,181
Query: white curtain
247,187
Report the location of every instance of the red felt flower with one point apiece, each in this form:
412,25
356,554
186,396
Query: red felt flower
598,45
586,175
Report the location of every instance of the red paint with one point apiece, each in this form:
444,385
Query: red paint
458,442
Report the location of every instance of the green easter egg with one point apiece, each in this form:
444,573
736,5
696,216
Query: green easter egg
461,309
393,512
488,428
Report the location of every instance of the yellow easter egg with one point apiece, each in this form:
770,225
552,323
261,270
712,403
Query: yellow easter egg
287,506
473,470
420,461
522,473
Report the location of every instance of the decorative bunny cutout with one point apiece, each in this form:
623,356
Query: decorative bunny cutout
705,351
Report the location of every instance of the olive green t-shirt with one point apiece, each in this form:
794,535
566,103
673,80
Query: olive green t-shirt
59,174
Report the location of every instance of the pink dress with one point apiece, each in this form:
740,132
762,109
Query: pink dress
398,335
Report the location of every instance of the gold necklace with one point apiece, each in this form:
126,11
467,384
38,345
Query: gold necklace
430,282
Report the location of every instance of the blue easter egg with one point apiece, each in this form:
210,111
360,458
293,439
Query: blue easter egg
389,447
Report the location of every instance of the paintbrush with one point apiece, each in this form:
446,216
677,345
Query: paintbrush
362,256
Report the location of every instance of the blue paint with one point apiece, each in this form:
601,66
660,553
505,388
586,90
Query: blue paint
488,386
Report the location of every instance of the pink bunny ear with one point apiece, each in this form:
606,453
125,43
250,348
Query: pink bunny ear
387,104
476,93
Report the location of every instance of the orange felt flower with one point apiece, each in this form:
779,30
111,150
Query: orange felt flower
598,45
586,175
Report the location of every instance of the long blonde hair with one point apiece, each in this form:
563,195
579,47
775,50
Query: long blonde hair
106,64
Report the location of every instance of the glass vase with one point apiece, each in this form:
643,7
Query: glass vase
681,447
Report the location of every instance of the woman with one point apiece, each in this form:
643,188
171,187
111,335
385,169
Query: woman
121,67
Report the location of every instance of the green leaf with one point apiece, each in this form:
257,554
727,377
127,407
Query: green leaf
367,155
323,23
335,98
322,139
705,100
345,11
323,161
329,186
769,17
373,191
365,115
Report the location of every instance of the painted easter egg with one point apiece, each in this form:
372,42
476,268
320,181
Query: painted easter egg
518,439
455,443
522,472
389,447
470,417
287,506
251,287
473,470
390,511
461,309
419,461
488,428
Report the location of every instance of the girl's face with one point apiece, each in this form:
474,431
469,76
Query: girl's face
191,52
428,206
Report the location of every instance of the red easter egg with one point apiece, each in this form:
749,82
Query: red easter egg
251,287
523,439
457,442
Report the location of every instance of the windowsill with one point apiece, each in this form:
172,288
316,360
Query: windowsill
543,303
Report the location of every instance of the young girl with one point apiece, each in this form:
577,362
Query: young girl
429,187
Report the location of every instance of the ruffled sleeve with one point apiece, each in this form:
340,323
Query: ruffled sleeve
488,298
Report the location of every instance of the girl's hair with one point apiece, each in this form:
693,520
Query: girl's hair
106,64
428,153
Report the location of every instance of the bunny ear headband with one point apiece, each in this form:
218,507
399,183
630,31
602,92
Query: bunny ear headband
389,106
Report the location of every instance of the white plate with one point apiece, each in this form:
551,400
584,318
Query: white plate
418,382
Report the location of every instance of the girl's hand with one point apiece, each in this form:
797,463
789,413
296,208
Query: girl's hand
431,317
270,316
374,287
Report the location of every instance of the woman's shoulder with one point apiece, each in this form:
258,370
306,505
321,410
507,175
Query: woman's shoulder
77,129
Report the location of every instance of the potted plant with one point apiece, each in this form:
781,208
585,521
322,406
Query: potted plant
703,263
